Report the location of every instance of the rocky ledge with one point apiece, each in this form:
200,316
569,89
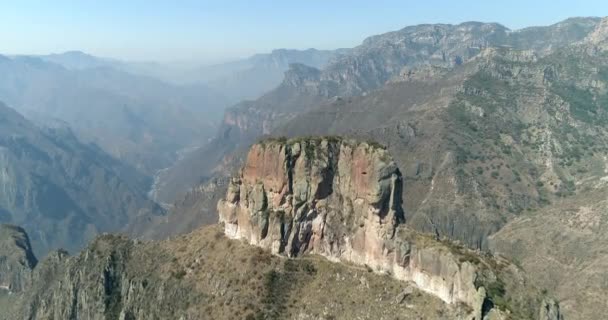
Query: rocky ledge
342,199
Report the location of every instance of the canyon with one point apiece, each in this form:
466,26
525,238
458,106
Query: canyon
437,172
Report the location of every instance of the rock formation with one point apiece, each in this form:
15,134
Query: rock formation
16,259
342,199
302,187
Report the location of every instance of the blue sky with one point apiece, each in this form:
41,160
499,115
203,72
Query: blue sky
213,31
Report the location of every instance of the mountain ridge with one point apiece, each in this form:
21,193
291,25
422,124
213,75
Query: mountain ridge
366,68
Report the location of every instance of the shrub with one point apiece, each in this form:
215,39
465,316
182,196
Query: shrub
180,274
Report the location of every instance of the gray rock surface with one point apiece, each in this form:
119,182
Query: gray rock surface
17,259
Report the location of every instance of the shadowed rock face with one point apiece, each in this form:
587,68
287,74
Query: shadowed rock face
16,259
342,199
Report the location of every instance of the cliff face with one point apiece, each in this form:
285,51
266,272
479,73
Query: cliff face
342,199
16,259
325,196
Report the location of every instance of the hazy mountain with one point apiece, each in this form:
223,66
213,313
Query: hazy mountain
242,125
78,60
252,77
174,73
138,119
61,191
131,114
236,80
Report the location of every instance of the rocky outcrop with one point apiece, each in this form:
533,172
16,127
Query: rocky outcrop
599,36
550,311
16,259
312,195
342,199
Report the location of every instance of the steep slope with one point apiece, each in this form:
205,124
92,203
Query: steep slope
377,61
563,247
138,119
16,264
570,234
481,143
62,191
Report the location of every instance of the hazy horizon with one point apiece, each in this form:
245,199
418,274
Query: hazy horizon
208,32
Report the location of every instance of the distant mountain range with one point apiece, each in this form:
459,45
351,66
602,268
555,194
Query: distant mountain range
138,119
250,78
236,80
